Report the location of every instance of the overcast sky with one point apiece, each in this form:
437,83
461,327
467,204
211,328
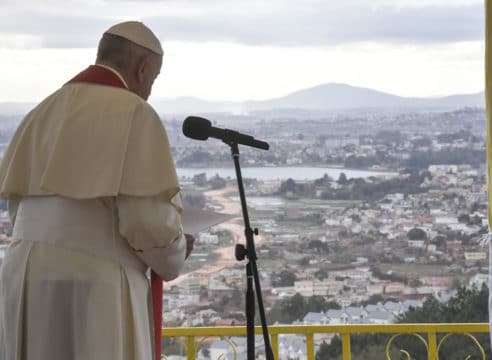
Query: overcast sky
245,50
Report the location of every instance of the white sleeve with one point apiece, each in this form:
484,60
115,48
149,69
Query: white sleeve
152,227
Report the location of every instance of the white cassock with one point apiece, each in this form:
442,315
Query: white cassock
94,199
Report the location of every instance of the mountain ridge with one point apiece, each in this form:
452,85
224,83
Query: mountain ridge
334,96
326,97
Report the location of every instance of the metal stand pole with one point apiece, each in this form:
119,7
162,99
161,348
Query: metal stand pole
249,252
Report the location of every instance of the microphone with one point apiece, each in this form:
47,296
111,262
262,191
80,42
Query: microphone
201,129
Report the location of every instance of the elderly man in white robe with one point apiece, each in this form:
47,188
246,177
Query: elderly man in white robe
94,201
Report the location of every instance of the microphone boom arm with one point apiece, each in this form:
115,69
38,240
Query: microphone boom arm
231,136
201,129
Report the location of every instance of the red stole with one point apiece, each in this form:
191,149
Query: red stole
100,75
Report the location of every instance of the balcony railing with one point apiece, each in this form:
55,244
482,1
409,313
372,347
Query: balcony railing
425,333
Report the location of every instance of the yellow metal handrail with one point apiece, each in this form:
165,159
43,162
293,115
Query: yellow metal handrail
343,330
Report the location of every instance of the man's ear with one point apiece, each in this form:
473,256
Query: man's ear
141,69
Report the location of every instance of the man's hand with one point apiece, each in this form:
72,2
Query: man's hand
190,242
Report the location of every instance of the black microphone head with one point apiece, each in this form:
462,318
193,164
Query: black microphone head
196,127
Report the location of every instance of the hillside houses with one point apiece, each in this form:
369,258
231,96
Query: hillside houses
370,314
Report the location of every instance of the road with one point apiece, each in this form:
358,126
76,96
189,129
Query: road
235,226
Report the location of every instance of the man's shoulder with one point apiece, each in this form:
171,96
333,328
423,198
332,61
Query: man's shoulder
98,92
117,97
74,101
95,95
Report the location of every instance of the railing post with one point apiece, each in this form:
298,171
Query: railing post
274,338
346,352
310,346
432,352
190,348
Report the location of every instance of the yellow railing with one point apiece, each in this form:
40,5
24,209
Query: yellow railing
431,330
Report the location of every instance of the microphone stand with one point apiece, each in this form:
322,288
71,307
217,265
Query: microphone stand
249,252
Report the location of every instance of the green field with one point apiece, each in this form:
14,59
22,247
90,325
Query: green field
416,270
195,263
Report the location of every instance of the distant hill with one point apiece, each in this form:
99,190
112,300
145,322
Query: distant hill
326,97
342,96
331,96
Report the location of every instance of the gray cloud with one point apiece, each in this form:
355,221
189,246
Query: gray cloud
57,31
325,25
290,23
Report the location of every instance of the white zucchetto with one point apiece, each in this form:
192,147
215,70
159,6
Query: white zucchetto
138,33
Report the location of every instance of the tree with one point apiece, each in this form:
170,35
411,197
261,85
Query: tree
217,182
318,245
356,218
464,218
171,346
206,352
304,261
316,303
193,199
439,241
332,305
330,351
325,180
288,310
200,179
293,308
475,220
288,186
342,179
468,305
474,207
284,278
321,274
417,234
373,300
